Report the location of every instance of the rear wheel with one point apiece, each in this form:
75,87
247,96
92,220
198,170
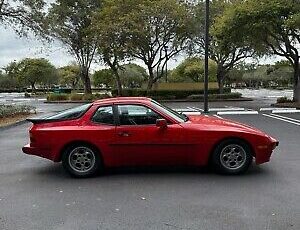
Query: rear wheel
232,157
81,160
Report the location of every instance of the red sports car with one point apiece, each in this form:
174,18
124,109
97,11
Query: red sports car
140,131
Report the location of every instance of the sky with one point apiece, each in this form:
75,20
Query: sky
14,48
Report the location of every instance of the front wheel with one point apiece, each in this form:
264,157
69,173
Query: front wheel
232,157
81,161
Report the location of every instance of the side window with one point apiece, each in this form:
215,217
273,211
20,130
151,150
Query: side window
104,115
137,115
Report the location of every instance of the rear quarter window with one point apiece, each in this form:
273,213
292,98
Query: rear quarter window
69,114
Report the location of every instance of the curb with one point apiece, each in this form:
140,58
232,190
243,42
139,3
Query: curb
285,105
14,124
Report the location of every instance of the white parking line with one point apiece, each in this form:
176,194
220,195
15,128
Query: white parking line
281,119
285,111
238,113
192,113
192,109
226,109
288,118
197,109
274,108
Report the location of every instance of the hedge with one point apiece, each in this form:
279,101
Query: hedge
216,96
75,97
165,94
12,110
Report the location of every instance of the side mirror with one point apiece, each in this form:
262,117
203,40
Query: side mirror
161,123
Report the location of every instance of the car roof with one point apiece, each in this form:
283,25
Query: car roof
122,99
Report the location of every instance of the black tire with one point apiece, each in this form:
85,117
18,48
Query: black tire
232,157
81,160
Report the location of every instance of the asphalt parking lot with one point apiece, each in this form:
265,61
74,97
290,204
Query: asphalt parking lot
38,194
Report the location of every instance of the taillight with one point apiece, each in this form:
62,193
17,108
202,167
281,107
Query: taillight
32,140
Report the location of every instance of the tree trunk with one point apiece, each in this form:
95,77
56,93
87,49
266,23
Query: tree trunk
150,80
220,79
33,87
86,80
118,80
297,81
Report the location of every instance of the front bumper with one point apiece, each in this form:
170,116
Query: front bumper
264,152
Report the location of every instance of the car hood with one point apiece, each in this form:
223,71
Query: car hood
212,122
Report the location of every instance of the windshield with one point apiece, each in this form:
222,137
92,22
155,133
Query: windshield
170,112
70,113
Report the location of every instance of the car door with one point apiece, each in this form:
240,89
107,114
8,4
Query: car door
140,142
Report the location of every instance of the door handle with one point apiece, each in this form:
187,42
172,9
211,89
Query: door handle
124,134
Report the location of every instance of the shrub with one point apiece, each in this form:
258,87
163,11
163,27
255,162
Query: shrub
76,97
88,97
284,100
57,97
166,94
27,95
99,96
216,96
13,110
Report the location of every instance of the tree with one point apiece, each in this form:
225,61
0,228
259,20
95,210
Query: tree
22,15
269,26
7,82
132,75
69,75
192,70
151,31
69,22
33,71
227,56
109,27
104,77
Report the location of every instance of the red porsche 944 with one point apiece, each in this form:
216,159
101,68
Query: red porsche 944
140,131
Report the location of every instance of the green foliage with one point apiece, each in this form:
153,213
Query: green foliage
132,75
164,94
152,31
269,26
212,97
104,77
69,76
192,70
8,83
57,97
69,22
13,110
22,15
284,100
32,71
76,97
225,55
268,76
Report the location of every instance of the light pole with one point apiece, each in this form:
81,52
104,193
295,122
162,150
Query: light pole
206,56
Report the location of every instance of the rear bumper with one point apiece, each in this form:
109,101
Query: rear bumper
41,152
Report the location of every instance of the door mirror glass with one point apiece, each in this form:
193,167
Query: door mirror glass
161,123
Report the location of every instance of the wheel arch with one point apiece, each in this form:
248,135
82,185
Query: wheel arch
78,142
231,138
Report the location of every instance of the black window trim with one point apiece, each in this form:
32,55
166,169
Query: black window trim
99,123
116,112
